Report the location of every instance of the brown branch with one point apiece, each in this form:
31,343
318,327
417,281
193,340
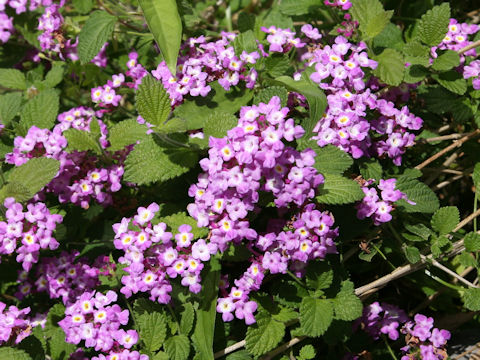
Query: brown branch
469,47
283,347
229,349
442,152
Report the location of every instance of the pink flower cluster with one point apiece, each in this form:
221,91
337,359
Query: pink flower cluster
379,207
343,4
32,229
423,341
457,38
6,27
338,71
65,276
473,70
14,326
79,179
152,258
281,40
252,158
382,318
95,320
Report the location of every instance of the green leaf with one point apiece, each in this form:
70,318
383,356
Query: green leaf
332,160
316,315
471,299
125,133
420,230
446,61
299,7
476,176
264,335
97,30
424,198
412,254
164,22
339,190
390,37
217,124
371,169
187,319
150,162
160,356
264,95
276,65
83,6
362,10
12,79
203,333
307,352
445,219
18,191
152,101
239,355
347,305
8,353
174,221
319,275
391,67
177,347
59,348
55,75
452,80
41,111
35,174
472,242
376,24
433,25
245,42
152,327
79,140
9,107
196,111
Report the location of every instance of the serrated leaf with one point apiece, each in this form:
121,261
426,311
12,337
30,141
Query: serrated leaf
476,176
391,67
18,191
149,162
125,133
83,6
412,254
152,327
307,352
203,333
319,275
445,219
187,319
472,242
8,353
299,7
264,335
347,306
59,348
175,220
285,314
316,315
339,190
41,111
471,299
446,61
452,80
177,347
97,30
424,198
264,95
466,259
9,107
152,101
239,355
433,25
79,140
418,229
245,42
276,65
12,79
55,75
217,124
164,22
35,174
332,160
376,24
390,37
371,169
362,10
160,356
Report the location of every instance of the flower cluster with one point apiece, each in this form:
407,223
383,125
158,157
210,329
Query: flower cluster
106,95
253,159
152,258
281,40
343,4
379,207
50,24
95,320
79,179
66,277
382,318
473,70
338,70
14,326
457,38
32,228
424,341
6,27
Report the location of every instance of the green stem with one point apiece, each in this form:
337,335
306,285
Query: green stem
390,350
292,275
383,256
228,18
443,282
475,204
174,316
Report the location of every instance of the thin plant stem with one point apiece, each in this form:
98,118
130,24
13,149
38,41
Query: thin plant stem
390,350
475,204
